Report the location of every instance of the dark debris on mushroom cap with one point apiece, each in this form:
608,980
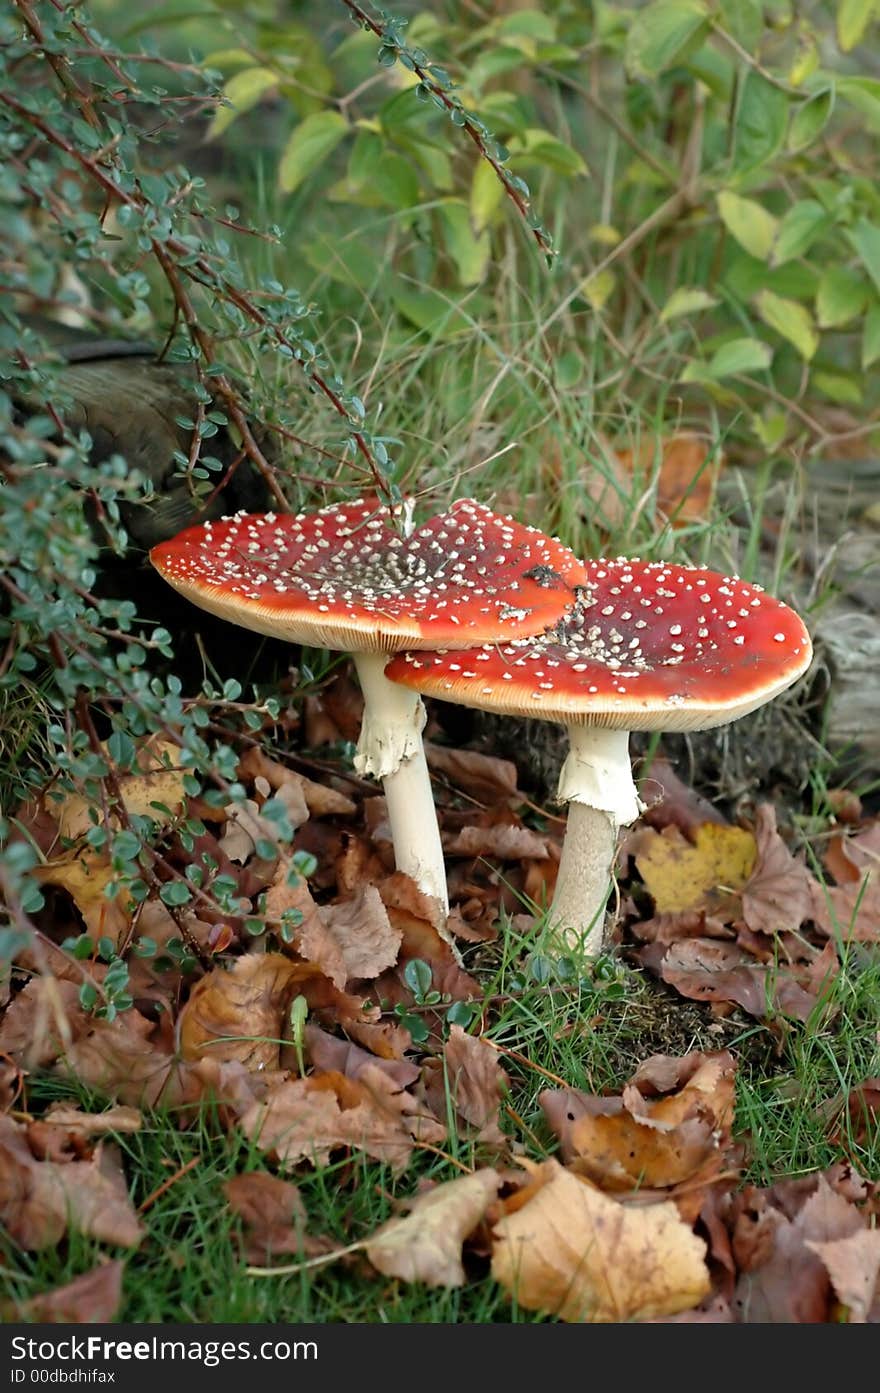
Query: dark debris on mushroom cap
649,646
345,577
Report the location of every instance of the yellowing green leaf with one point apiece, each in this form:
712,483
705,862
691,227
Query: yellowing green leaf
597,289
487,193
663,33
838,386
311,142
242,91
749,222
738,357
789,319
864,94
686,300
840,297
853,18
469,250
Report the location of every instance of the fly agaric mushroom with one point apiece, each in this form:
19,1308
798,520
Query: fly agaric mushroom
649,646
345,578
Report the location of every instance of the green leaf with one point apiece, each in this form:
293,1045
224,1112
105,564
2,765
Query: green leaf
469,250
749,222
744,19
798,230
686,300
761,122
243,90
487,193
311,142
864,94
865,237
789,319
539,147
853,18
839,386
738,357
840,296
871,337
664,33
436,314
810,118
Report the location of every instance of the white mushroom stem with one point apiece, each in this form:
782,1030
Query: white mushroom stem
390,748
597,784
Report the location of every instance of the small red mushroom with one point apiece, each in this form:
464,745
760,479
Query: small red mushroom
347,577
649,646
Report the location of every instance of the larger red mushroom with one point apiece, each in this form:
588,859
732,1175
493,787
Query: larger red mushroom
348,577
649,646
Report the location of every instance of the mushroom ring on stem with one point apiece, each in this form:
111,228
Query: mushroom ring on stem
350,577
649,646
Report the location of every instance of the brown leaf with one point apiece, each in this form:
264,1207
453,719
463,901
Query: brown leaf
247,1003
92,1299
673,803
782,1279
476,1082
39,1200
685,468
320,799
576,1253
506,842
849,857
484,777
425,1245
705,970
363,934
41,1020
308,1119
638,1141
685,923
778,896
328,1053
274,1217
415,916
852,1264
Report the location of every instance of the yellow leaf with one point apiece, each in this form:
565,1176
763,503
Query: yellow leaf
578,1254
681,875
159,779
85,875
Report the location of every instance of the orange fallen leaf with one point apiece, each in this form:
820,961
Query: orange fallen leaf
779,893
576,1253
425,1245
238,1013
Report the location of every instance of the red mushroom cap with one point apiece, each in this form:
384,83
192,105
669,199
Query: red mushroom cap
649,646
344,577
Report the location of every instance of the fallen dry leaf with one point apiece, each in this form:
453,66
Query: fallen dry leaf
41,1020
576,1253
425,1245
779,893
852,1264
308,1119
238,1013
685,467
320,799
484,777
39,1200
638,1141
366,940
92,1299
506,842
274,1217
153,789
476,1082
706,970
671,802
85,875
328,1052
705,874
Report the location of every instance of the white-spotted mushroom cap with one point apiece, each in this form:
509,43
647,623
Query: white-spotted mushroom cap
344,577
649,646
